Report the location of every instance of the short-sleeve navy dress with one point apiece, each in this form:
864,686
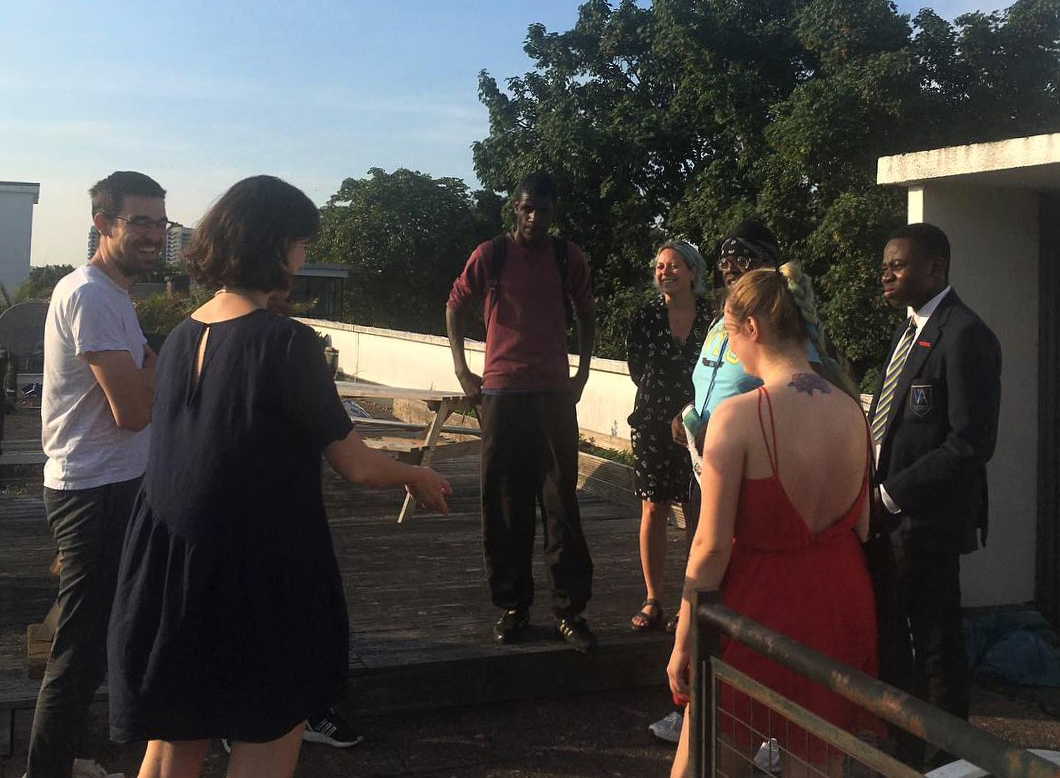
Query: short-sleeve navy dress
229,618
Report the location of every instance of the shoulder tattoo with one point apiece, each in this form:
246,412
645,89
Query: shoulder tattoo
808,382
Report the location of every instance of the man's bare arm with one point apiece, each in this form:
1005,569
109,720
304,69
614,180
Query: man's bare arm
586,328
130,390
469,382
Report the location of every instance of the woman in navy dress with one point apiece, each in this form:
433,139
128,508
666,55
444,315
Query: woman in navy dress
229,619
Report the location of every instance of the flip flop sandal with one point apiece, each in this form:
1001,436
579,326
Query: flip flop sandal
645,619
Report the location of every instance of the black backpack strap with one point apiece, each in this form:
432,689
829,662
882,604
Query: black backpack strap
497,257
500,253
561,251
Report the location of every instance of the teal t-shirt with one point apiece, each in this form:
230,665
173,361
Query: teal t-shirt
719,375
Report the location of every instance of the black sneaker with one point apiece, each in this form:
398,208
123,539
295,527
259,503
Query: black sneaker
575,630
512,625
331,730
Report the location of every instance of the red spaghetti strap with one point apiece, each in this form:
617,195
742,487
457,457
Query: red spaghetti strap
772,454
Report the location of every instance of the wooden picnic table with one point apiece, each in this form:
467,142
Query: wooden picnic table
418,451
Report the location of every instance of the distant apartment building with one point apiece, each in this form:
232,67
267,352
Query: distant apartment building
16,228
93,241
177,238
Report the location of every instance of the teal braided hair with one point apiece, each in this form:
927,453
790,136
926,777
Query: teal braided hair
801,288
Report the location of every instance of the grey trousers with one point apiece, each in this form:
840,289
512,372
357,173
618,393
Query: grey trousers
88,526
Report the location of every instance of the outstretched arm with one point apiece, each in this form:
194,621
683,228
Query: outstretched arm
355,462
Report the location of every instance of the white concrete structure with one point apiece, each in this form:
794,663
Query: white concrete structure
16,229
998,204
425,362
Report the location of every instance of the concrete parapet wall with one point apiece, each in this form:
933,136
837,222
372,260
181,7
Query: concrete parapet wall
409,359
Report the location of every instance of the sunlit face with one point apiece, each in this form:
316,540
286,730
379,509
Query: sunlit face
733,267
137,238
908,278
296,256
672,274
533,217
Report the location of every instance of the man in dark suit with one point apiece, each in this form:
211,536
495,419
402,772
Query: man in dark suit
934,422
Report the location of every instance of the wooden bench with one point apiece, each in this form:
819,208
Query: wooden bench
417,450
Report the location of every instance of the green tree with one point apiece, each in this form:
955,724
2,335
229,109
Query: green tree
42,279
686,117
405,236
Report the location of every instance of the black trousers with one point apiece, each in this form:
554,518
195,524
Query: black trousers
530,458
89,527
933,661
924,653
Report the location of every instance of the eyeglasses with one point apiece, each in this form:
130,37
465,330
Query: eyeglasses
742,262
142,224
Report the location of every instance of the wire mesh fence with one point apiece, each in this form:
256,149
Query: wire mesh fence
740,727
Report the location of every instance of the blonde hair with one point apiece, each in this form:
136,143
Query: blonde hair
692,259
784,301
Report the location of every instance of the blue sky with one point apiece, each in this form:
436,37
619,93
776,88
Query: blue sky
200,94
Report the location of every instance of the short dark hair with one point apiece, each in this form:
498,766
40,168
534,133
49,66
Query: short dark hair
107,194
243,240
537,184
927,239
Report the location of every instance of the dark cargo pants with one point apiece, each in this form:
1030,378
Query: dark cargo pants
530,458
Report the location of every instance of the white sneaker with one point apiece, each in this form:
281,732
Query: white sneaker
86,768
668,728
768,757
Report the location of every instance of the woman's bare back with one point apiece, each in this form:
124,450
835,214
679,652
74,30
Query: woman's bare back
821,446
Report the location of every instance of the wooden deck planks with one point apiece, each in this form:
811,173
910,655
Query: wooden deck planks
420,615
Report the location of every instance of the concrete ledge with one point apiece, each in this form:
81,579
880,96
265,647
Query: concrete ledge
1029,163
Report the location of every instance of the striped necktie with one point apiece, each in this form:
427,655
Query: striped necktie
890,381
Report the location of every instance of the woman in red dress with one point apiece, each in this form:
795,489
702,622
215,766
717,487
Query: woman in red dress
785,504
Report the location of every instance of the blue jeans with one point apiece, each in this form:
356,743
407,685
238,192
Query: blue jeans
88,526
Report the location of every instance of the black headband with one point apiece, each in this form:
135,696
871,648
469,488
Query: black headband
744,247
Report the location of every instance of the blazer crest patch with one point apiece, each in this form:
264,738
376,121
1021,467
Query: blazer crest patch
920,399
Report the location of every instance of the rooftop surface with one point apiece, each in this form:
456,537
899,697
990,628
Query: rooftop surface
432,692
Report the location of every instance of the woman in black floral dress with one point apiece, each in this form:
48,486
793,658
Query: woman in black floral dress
662,346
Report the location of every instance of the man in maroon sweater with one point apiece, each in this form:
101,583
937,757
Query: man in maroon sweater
527,413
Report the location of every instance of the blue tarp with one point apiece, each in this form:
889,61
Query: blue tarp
1015,646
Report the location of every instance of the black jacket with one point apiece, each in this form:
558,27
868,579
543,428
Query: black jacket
942,429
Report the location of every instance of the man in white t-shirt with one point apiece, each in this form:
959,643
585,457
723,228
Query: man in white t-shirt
98,390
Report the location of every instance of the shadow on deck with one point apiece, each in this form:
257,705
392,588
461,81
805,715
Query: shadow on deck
420,615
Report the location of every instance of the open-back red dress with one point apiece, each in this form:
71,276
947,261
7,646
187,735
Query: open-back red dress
814,588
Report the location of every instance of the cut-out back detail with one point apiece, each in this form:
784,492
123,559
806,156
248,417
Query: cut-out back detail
769,492
200,357
203,352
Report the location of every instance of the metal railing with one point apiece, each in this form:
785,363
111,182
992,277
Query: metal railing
933,725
